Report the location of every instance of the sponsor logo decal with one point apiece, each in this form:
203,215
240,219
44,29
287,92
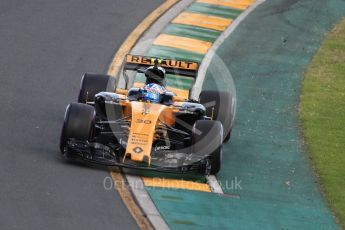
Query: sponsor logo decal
138,150
159,148
167,63
140,121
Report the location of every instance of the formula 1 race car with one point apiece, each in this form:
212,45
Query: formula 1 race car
148,127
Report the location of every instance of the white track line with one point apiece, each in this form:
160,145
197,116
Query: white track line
212,180
214,185
212,51
136,183
139,192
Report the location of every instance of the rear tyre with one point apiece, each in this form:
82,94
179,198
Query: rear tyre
91,84
207,139
79,123
221,106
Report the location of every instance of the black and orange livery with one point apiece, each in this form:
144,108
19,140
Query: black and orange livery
115,127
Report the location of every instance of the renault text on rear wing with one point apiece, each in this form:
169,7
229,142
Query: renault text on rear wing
171,66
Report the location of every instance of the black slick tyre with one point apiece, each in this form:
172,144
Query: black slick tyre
219,106
207,140
91,84
79,123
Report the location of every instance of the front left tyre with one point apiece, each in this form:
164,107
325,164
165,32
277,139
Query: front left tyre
207,140
79,123
219,106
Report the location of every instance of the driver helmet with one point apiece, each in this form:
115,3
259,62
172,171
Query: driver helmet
155,74
153,92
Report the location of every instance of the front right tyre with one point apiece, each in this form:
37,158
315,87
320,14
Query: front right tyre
79,123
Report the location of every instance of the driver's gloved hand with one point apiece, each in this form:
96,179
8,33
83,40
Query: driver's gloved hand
141,93
193,101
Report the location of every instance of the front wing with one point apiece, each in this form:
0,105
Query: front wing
97,153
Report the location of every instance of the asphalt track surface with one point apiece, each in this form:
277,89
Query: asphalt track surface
45,47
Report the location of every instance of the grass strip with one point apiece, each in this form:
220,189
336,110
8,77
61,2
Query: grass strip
322,112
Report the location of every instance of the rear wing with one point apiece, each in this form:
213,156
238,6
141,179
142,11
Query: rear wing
171,66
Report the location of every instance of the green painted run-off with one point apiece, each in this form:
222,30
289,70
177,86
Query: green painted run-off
267,55
214,10
194,32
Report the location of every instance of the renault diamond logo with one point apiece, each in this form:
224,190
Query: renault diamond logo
137,150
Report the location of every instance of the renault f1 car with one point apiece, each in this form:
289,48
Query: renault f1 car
121,127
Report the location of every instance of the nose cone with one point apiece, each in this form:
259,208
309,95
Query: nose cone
143,127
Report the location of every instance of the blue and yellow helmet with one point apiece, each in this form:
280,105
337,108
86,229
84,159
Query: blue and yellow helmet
153,92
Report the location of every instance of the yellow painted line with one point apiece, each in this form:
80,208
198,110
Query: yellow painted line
237,4
202,20
179,92
176,184
128,199
184,43
125,48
